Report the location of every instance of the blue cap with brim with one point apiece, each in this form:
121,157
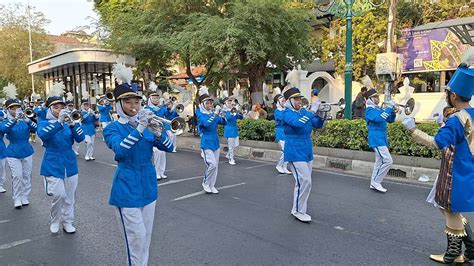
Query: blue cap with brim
462,82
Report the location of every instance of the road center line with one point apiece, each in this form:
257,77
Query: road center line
13,244
202,192
4,221
106,163
179,180
256,166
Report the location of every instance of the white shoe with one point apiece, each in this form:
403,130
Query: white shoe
17,204
68,228
280,169
54,228
302,217
92,158
158,177
87,158
206,188
174,151
25,202
286,171
214,190
164,176
232,162
2,189
378,187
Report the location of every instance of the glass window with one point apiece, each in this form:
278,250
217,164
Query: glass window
425,82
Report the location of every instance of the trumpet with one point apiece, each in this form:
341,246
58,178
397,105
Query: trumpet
30,113
409,106
234,111
177,125
245,108
109,96
75,116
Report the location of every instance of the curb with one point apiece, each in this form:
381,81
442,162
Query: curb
331,159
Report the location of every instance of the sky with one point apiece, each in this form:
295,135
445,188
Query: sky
64,14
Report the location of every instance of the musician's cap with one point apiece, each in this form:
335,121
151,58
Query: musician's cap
292,93
204,95
84,100
69,102
125,91
462,82
371,93
12,102
54,100
154,94
315,92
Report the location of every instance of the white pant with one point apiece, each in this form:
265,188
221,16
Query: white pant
281,161
89,140
137,226
63,192
232,143
383,162
2,171
173,139
159,160
302,174
21,176
211,158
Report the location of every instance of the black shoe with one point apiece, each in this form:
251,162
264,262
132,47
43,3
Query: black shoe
468,242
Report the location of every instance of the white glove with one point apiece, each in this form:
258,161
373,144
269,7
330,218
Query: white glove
63,114
156,128
143,119
217,110
409,123
439,118
70,123
390,104
315,105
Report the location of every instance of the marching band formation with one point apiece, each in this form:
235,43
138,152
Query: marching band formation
143,132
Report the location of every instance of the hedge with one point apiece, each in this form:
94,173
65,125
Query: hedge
345,134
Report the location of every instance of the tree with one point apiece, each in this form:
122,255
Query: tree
14,50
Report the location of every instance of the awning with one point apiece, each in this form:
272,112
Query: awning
463,28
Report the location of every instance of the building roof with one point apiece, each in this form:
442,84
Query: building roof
63,39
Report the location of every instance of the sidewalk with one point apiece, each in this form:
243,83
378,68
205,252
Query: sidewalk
404,169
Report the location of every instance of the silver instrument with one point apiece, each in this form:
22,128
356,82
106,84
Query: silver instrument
234,111
109,96
409,106
179,108
30,113
74,116
177,125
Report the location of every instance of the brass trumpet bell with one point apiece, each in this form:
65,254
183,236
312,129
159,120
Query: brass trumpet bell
109,96
76,116
30,113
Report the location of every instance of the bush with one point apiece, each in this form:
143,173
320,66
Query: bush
345,134
352,134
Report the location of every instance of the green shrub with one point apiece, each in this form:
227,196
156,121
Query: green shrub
250,129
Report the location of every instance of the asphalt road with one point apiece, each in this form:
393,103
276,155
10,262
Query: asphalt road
248,223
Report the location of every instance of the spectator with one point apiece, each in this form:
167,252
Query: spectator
358,106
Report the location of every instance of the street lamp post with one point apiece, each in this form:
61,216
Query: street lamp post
334,8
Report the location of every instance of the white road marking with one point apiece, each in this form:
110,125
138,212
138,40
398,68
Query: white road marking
4,221
256,166
106,163
179,180
202,192
338,228
13,244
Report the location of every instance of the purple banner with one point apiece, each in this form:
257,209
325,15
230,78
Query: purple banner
430,50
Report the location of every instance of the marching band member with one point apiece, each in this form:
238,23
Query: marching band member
298,124
88,126
134,188
3,159
167,111
104,110
282,165
19,152
453,191
208,121
159,156
59,165
231,131
377,119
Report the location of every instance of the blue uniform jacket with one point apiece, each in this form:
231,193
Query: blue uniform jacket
40,112
462,192
298,126
59,159
88,123
208,124
230,129
104,111
2,143
279,128
134,183
377,119
18,133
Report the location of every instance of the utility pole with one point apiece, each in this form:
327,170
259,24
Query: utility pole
31,47
348,65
